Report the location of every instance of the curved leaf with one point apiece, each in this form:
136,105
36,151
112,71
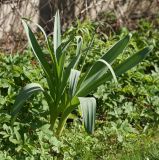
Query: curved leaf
120,69
98,70
61,56
110,68
72,65
132,61
25,93
127,64
36,49
91,82
109,57
88,108
74,76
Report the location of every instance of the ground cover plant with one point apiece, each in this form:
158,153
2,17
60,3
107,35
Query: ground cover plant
126,123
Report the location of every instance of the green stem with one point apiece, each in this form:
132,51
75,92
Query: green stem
64,117
52,110
52,121
61,126
53,116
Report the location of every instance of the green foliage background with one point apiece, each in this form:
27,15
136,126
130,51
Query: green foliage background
127,114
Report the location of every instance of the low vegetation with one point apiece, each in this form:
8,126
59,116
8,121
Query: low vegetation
127,113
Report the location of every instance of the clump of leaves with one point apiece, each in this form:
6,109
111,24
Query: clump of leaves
67,87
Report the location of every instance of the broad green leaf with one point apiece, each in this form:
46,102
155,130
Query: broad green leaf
57,32
42,30
117,49
41,58
76,59
70,106
36,49
88,83
127,64
120,69
74,76
50,48
25,93
53,58
98,68
88,108
61,57
61,50
132,61
49,45
72,65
